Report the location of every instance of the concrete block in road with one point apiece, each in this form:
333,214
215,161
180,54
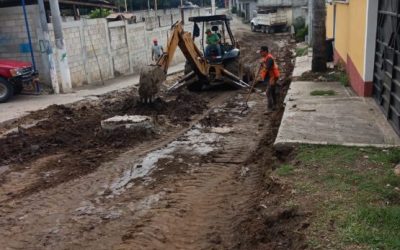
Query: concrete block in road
134,122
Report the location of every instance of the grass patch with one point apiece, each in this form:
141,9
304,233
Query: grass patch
323,93
338,74
354,193
285,170
301,51
377,227
331,155
343,78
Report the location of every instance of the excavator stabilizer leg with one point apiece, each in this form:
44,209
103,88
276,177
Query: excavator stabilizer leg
236,80
182,82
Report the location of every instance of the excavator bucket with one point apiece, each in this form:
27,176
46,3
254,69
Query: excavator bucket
151,78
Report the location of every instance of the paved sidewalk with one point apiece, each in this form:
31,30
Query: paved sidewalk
303,64
22,104
341,119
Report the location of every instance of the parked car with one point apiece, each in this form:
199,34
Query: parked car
269,21
13,75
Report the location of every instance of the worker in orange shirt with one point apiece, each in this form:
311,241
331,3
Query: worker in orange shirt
269,75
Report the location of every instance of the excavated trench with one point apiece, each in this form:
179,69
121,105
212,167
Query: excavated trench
199,181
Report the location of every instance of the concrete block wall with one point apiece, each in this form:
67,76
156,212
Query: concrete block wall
74,51
95,48
138,44
87,48
96,52
119,47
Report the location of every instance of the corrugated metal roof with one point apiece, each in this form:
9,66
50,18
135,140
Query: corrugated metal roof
89,3
121,16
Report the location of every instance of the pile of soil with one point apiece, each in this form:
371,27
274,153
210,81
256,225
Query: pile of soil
73,134
178,111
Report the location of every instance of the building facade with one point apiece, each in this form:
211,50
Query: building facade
367,43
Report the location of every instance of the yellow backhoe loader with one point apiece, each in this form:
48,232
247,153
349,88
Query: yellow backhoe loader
200,71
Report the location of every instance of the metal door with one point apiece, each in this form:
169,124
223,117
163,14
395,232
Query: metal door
387,61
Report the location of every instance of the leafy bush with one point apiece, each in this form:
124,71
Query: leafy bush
99,13
301,34
234,9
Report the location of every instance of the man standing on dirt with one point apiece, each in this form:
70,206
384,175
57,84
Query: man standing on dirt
156,50
269,75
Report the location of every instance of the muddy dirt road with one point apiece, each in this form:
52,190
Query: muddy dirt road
198,181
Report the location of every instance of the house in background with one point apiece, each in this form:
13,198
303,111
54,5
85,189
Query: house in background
367,43
248,9
294,8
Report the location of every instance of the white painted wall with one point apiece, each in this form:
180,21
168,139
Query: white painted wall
282,3
370,39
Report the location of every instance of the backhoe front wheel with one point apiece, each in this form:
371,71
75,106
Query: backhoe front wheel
253,28
6,90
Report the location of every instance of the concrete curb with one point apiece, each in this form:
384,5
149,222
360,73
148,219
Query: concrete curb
283,145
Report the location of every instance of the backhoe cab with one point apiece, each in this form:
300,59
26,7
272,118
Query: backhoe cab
200,70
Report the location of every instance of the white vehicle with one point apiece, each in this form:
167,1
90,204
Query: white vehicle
269,21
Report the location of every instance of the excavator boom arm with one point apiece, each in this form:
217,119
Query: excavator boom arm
183,40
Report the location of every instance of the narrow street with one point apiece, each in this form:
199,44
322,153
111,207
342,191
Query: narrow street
200,180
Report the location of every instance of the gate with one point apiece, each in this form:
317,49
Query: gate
387,61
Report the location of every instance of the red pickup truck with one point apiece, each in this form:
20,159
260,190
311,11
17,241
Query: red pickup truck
13,76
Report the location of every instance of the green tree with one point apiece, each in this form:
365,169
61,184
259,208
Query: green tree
99,13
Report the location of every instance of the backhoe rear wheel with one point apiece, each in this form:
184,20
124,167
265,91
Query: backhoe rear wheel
194,84
236,68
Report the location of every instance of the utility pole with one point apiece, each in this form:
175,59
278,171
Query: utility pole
62,57
213,10
47,49
155,6
126,7
182,13
319,36
29,34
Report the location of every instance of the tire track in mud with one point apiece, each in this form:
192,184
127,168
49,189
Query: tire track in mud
207,207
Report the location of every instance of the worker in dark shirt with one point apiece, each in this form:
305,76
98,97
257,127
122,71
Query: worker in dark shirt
269,75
